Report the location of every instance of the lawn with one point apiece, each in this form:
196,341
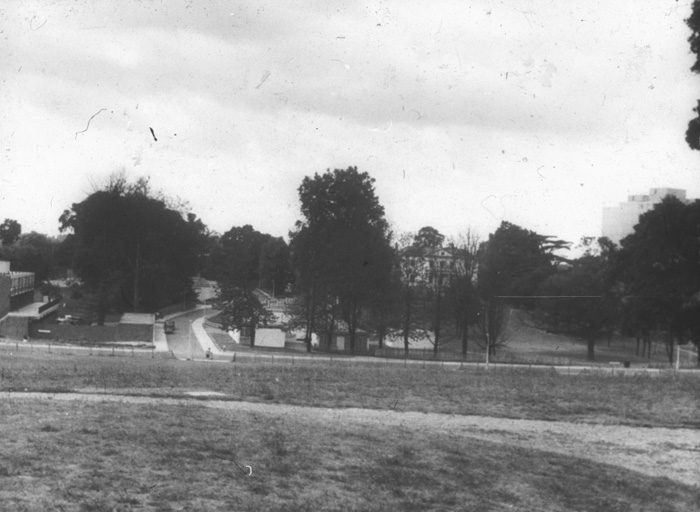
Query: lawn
668,400
82,456
85,456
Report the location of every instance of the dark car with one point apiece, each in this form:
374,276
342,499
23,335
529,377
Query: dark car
169,326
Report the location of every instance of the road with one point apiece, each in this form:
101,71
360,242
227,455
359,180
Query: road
183,342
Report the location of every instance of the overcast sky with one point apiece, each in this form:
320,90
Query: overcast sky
466,113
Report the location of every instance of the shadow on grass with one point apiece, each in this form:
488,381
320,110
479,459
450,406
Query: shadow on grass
115,456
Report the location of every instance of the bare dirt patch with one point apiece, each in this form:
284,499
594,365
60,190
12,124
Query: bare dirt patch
656,452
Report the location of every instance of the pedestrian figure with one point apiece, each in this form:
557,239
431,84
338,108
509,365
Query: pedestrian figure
209,354
24,339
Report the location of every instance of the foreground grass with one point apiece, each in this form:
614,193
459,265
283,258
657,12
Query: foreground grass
668,400
84,456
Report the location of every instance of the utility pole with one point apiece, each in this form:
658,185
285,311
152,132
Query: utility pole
189,342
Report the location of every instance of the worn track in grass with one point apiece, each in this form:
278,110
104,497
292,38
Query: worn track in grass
658,452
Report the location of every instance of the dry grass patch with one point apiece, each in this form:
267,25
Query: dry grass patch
120,456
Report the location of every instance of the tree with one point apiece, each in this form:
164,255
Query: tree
692,135
10,230
131,249
274,265
340,250
32,252
408,264
462,289
428,236
579,298
512,265
241,309
659,263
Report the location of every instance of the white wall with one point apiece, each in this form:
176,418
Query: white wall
269,338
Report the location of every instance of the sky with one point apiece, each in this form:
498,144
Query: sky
466,114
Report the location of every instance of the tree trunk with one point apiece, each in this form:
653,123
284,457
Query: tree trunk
591,348
465,340
137,298
438,319
407,323
382,326
311,320
252,336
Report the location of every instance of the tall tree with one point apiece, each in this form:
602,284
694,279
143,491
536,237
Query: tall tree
274,265
692,135
462,288
341,247
131,249
580,298
427,248
10,230
408,265
659,263
512,265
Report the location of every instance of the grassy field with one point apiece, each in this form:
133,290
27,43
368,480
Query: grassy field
668,400
84,456
120,456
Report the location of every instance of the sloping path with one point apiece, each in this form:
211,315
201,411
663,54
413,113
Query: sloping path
658,452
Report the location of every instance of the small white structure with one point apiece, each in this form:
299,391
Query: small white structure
269,338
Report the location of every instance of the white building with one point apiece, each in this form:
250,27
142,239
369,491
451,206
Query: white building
619,221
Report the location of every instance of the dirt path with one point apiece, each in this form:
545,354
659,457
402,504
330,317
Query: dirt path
673,453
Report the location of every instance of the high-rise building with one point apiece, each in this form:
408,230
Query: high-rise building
619,221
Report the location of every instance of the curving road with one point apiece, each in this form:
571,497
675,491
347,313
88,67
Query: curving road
183,342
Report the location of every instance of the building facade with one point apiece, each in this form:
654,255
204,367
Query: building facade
619,221
433,266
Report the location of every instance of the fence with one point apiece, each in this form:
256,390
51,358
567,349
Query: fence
20,347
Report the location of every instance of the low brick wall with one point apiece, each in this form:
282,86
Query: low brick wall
93,333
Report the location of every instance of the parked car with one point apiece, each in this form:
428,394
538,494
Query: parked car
69,319
169,326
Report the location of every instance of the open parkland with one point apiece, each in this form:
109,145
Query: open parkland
165,428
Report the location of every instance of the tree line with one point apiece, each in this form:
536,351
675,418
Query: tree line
345,271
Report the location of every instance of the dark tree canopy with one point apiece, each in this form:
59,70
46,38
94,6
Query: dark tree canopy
132,250
579,299
32,252
248,258
692,135
241,309
340,250
514,261
10,230
660,268
428,236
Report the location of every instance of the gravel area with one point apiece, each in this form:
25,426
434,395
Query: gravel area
658,452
